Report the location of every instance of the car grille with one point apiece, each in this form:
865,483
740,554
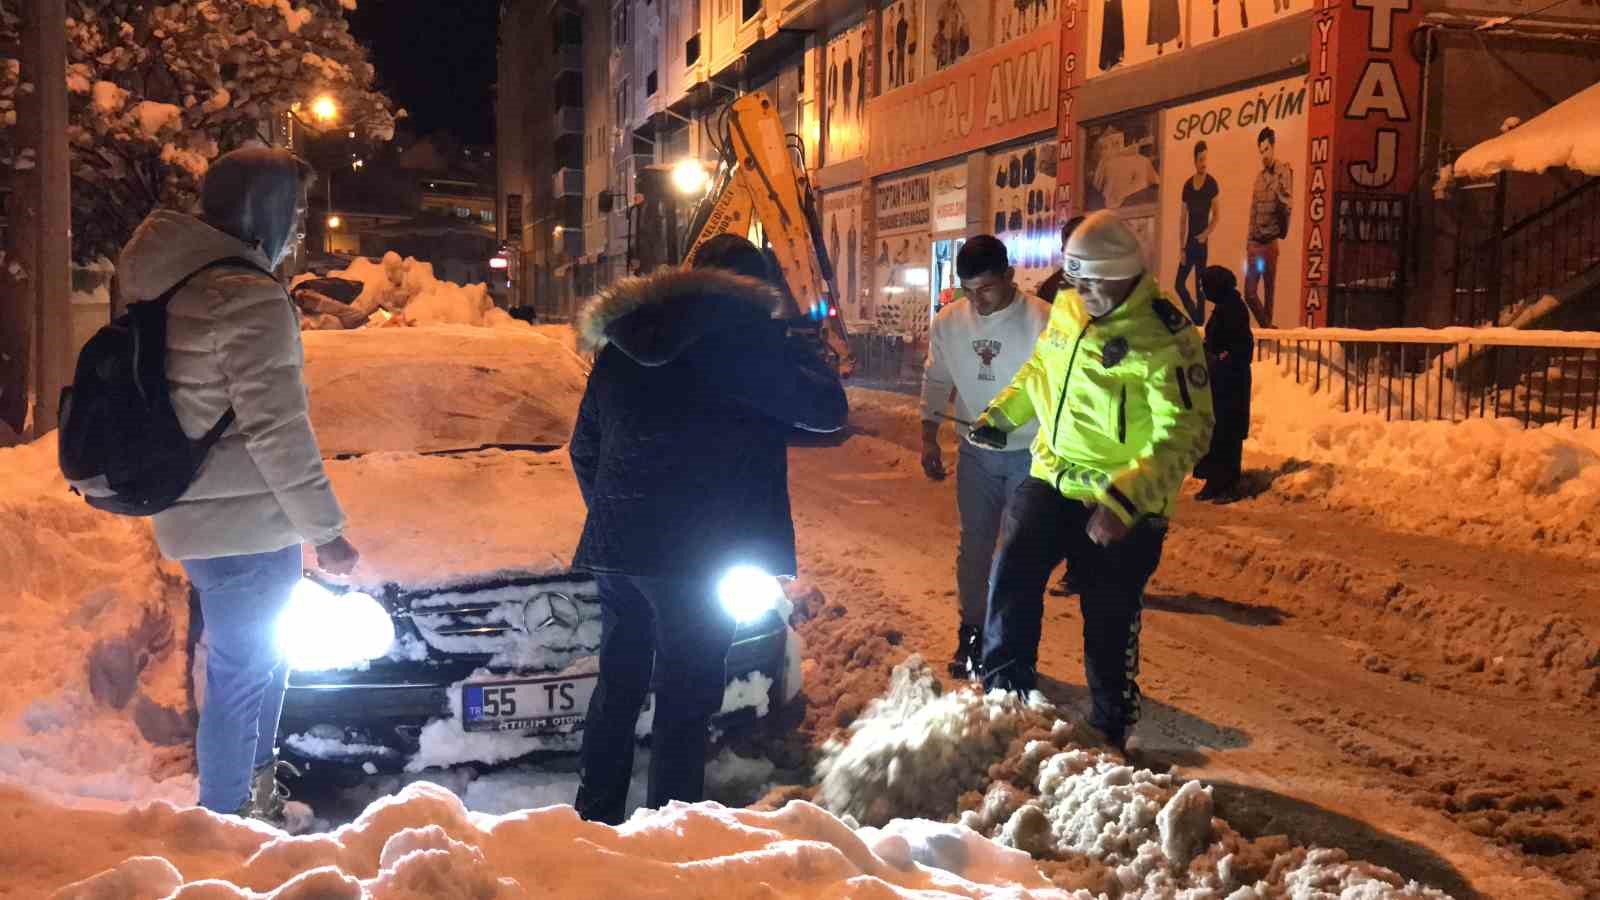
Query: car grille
526,623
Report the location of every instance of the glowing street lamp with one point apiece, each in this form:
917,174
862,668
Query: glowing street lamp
324,109
689,177
334,222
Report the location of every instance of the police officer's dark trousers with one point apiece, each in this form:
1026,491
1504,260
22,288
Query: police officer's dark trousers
678,628
1042,528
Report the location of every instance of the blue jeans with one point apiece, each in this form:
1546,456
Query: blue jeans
985,481
241,597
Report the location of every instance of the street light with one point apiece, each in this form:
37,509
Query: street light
334,222
324,109
689,177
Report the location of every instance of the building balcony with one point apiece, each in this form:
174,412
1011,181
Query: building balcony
569,183
568,120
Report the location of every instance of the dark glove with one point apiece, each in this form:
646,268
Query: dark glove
986,435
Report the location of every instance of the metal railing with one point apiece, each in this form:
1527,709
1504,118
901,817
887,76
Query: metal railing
1451,374
892,363
1497,275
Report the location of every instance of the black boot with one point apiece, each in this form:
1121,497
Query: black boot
969,652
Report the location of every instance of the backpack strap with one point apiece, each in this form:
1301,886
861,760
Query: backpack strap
237,262
210,438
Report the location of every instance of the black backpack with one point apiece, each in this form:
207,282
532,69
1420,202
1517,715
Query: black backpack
121,446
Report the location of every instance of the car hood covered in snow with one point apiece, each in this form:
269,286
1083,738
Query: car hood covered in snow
440,388
424,521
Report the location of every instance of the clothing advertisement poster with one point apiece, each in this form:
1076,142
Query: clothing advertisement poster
1212,19
902,294
1020,213
1122,163
1015,18
845,103
901,44
1126,32
1241,154
841,228
954,30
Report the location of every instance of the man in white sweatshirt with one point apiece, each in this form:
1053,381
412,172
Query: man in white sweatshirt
975,347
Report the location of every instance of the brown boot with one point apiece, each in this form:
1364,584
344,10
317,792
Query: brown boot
268,796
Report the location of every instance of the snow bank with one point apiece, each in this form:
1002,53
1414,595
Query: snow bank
424,843
1103,826
1482,479
408,286
1566,135
95,706
440,388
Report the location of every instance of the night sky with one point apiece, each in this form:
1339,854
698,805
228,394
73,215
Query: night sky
436,59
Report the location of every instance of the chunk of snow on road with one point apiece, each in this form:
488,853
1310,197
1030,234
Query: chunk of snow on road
424,842
1566,135
1118,829
916,750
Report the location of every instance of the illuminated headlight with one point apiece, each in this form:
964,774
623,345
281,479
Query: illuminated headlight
322,630
747,593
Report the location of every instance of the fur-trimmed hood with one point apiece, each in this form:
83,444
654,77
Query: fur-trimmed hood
654,319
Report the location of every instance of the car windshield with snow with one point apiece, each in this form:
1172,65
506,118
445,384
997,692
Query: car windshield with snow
465,636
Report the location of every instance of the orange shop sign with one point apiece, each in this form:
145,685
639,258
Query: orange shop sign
999,95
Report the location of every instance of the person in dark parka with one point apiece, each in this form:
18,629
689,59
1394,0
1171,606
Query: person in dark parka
1230,347
680,451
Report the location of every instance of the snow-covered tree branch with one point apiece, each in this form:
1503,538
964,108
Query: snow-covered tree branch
158,90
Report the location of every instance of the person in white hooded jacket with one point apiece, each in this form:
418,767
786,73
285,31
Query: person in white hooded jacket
233,341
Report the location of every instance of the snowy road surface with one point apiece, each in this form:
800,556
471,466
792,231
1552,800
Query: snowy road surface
1429,704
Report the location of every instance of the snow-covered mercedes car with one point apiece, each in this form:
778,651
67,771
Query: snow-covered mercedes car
465,636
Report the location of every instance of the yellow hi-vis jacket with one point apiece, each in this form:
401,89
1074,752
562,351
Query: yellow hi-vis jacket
1124,403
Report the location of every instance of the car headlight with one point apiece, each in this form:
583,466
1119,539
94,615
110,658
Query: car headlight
747,593
323,630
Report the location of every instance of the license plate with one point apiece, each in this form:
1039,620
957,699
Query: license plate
533,704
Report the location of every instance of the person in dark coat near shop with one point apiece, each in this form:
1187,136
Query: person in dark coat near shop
1230,347
680,451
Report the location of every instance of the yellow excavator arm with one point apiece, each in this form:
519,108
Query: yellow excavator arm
760,188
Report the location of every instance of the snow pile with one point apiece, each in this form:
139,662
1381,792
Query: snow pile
1481,479
1566,135
424,843
916,750
408,286
1101,825
440,388
96,702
